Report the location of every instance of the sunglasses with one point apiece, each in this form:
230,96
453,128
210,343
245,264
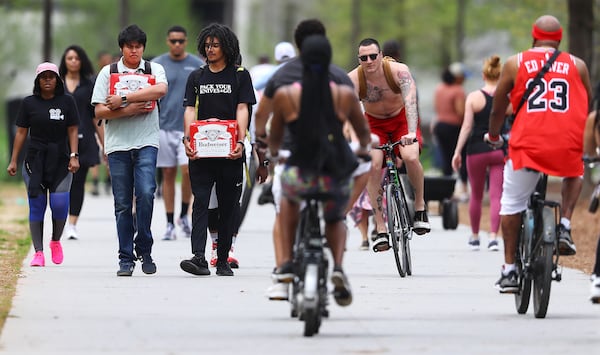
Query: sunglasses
363,58
174,41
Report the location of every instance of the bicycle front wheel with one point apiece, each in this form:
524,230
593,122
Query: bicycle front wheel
406,218
395,225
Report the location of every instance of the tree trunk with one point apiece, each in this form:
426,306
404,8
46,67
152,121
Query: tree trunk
581,40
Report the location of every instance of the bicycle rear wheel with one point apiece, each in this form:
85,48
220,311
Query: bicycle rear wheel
249,174
543,256
311,310
523,296
395,225
542,279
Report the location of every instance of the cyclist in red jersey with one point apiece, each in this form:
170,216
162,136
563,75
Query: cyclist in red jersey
546,137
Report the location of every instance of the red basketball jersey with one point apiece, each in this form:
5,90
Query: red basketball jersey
547,134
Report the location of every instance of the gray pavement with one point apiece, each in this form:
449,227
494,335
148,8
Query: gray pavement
448,306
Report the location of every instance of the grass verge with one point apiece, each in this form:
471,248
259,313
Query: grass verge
15,242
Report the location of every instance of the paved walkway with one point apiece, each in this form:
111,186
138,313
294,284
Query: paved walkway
448,306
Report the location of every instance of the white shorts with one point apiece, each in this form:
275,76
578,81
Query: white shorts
517,188
171,151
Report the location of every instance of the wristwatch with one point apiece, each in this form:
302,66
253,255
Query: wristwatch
74,155
124,99
185,138
266,162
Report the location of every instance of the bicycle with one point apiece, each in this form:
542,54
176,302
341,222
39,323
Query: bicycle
537,253
309,287
399,221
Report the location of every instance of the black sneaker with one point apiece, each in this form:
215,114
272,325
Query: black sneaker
285,273
508,283
266,195
565,243
125,269
196,266
341,290
223,269
381,242
148,265
421,224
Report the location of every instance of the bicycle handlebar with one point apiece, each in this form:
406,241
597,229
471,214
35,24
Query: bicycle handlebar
394,144
591,161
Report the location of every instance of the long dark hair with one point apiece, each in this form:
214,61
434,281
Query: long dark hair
316,103
86,70
228,40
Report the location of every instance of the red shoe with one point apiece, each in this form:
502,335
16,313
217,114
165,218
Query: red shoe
213,255
38,259
232,261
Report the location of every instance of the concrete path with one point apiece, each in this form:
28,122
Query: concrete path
448,306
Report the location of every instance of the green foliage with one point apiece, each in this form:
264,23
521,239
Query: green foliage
429,27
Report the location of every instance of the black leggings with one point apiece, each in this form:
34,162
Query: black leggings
77,191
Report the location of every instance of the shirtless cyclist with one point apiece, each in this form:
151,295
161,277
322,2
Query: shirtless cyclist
392,116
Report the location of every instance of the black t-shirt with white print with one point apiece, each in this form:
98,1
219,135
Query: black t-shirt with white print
219,93
47,121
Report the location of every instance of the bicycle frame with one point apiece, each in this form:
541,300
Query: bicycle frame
398,215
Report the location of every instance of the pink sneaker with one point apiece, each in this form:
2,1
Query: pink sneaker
57,252
38,259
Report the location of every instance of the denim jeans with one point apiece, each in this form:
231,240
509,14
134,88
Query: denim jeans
133,172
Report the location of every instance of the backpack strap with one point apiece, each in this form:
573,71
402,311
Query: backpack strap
387,71
389,78
362,83
147,67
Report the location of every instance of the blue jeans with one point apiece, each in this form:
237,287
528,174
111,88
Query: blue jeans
133,171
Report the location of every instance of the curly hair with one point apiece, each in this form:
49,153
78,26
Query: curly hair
228,40
308,28
86,70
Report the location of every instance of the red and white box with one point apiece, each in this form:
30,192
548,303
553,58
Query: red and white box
122,84
213,138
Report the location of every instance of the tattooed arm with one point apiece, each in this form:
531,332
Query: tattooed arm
409,95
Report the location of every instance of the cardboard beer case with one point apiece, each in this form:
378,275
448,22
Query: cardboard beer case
213,138
126,83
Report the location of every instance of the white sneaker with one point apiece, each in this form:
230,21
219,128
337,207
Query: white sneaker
70,232
170,233
595,289
184,224
278,291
